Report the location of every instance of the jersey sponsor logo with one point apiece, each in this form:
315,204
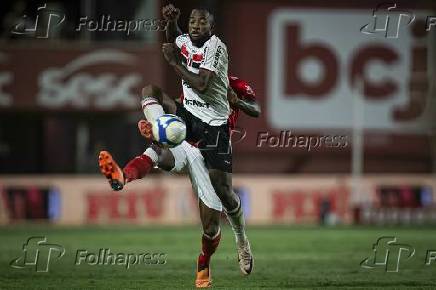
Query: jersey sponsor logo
197,103
218,53
204,53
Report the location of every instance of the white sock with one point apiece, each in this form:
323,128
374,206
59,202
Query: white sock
237,221
152,154
151,108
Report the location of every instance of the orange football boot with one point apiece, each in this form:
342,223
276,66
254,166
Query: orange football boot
203,279
110,169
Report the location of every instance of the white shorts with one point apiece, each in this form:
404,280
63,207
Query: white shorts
189,159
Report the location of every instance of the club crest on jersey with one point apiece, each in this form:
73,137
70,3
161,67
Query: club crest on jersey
193,60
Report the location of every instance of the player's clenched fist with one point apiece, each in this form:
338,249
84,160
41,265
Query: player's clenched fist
170,12
170,53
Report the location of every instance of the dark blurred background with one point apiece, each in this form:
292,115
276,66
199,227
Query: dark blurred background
347,89
67,96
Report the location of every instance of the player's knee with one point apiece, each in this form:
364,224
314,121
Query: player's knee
211,229
149,90
220,182
156,148
165,159
152,91
231,202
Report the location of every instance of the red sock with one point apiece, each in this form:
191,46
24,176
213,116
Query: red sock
208,247
138,167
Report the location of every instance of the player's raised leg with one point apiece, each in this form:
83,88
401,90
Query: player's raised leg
136,168
151,100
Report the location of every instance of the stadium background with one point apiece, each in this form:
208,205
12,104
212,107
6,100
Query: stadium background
366,100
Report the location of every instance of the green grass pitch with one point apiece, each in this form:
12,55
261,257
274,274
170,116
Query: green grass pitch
285,257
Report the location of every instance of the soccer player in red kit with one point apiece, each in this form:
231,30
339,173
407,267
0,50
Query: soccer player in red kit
243,99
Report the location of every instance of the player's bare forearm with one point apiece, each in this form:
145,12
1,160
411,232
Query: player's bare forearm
171,15
199,81
251,108
172,31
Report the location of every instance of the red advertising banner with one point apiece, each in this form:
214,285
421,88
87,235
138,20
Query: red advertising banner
265,200
73,77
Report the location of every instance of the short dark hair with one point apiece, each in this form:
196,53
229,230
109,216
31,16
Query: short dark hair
208,10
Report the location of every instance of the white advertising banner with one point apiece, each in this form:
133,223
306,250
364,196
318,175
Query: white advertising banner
319,61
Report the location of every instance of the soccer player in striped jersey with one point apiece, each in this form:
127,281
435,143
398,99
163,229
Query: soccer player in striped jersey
187,158
202,116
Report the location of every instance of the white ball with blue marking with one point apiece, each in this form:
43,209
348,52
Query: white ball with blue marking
169,130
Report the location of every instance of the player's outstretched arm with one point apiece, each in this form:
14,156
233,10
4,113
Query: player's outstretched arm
249,107
199,82
171,14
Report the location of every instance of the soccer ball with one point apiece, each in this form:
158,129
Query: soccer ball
169,130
